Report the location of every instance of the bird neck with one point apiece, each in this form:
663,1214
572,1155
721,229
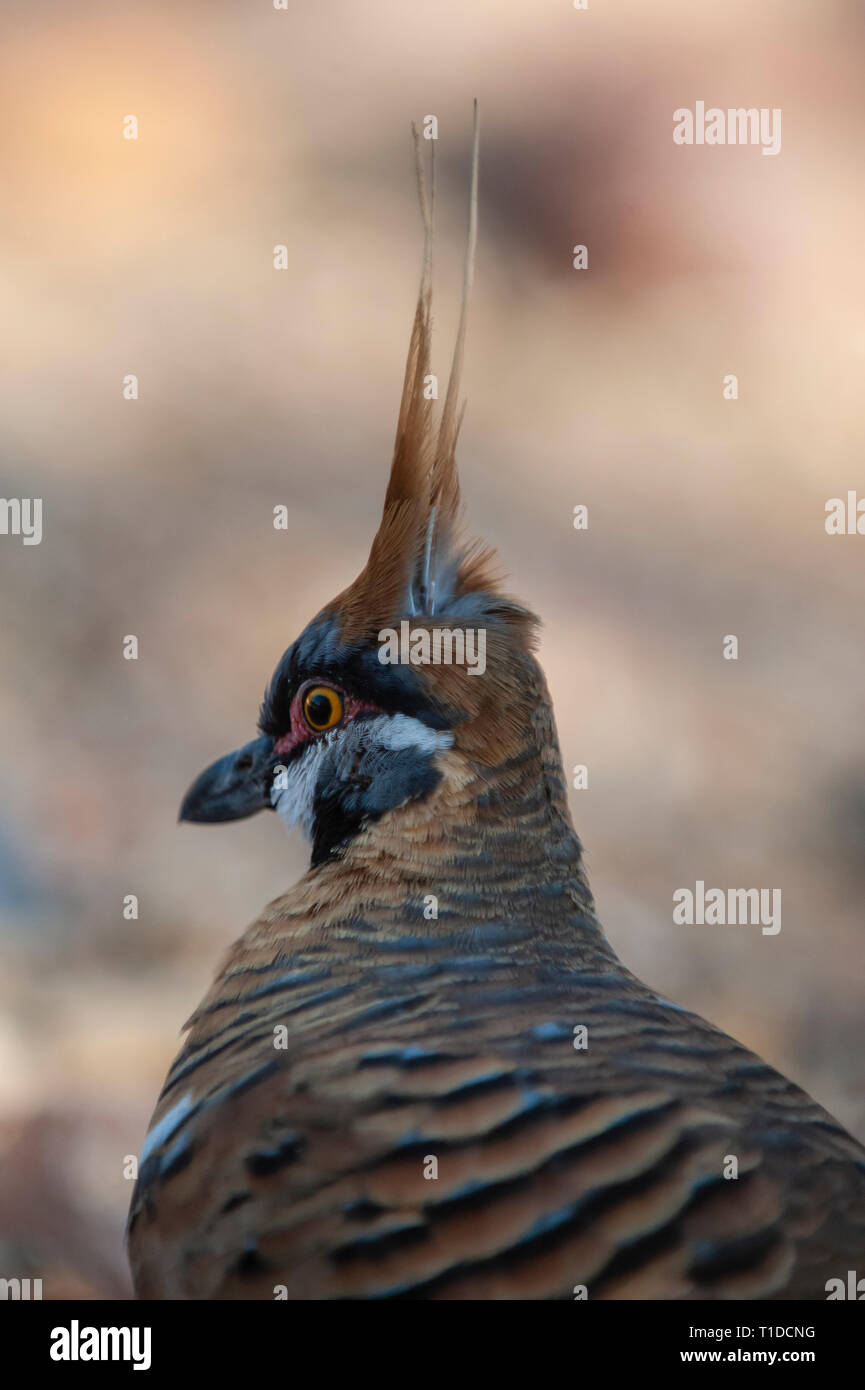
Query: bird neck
493,843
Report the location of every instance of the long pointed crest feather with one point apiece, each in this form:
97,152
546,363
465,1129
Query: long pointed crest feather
415,411
449,428
418,562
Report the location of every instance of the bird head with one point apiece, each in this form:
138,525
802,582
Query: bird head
421,657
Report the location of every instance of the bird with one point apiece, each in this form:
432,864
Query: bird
423,1073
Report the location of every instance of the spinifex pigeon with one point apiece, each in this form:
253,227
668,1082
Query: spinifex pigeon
385,1091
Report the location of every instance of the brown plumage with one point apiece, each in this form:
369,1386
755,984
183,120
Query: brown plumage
412,1002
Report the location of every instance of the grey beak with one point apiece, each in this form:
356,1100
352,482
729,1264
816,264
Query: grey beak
233,787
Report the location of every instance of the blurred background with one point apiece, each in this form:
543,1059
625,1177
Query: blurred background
261,387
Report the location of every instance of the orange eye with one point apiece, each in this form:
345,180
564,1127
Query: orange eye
322,708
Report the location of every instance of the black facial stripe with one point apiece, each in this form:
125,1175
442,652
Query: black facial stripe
318,654
341,808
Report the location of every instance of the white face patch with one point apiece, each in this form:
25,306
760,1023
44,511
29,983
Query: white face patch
293,793
401,731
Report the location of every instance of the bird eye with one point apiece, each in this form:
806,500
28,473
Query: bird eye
322,708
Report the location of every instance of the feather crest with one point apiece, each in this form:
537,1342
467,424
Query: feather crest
419,562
